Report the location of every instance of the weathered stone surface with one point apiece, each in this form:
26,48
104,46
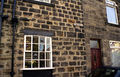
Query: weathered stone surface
56,22
97,27
23,9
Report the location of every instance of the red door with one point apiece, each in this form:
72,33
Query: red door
96,58
95,54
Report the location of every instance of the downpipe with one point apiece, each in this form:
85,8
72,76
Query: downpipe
1,17
14,22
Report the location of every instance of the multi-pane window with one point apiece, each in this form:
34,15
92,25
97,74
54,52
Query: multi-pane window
111,12
115,53
46,1
37,52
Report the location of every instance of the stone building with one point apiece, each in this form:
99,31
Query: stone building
101,22
49,39
58,38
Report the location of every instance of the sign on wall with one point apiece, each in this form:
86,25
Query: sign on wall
114,44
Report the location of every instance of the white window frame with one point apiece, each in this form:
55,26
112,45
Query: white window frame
112,4
46,1
38,68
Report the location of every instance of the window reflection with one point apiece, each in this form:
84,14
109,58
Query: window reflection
35,39
35,47
48,40
28,64
28,39
42,47
47,55
28,46
42,56
42,40
48,48
115,53
42,63
28,55
47,63
35,55
35,63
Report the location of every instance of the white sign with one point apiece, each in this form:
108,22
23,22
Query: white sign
114,44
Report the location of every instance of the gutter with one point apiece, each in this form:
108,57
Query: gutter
2,17
14,22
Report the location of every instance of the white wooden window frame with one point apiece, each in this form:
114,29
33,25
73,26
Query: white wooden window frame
45,1
38,68
112,4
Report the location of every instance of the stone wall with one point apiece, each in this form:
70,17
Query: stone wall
6,42
65,21
97,27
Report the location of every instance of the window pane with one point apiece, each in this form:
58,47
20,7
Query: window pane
48,41
28,39
27,55
48,48
35,39
28,46
116,57
42,56
47,55
47,63
42,47
35,55
94,44
115,53
42,40
35,63
42,63
28,64
35,47
111,15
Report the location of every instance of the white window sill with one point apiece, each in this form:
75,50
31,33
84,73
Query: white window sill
37,68
113,23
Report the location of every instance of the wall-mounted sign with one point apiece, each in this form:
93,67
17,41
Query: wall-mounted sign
114,44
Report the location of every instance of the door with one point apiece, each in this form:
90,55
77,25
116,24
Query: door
95,54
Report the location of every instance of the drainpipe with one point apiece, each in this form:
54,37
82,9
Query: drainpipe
1,16
14,22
